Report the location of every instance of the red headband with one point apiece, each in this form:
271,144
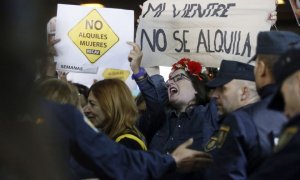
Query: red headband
192,67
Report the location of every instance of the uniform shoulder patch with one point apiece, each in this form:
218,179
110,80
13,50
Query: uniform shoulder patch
218,139
285,137
224,130
212,144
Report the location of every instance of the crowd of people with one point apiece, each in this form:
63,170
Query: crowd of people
242,124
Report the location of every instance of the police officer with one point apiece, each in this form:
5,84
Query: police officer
266,123
270,45
284,163
235,143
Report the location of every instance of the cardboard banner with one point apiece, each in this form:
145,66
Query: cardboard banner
206,31
93,43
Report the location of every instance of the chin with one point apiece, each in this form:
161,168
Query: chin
174,100
94,121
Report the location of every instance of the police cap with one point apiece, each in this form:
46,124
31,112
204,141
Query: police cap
274,42
230,70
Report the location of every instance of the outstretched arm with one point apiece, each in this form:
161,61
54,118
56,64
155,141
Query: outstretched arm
110,160
153,90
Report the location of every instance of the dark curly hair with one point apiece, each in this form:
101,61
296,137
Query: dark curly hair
199,85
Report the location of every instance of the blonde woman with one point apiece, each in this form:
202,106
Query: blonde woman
112,109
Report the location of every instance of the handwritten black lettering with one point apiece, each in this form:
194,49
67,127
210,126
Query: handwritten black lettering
210,7
208,37
228,42
144,34
238,44
234,41
164,46
247,46
158,10
226,9
190,8
196,10
219,8
201,40
178,39
182,42
221,41
227,48
155,43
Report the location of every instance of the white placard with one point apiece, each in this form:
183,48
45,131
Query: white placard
206,31
93,43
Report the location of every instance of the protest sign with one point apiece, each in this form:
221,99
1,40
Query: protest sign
93,43
206,31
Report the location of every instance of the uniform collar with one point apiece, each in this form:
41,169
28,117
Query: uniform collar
267,91
294,120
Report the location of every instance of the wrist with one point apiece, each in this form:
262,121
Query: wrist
140,74
136,70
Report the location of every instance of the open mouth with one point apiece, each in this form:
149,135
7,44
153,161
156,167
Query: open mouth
173,90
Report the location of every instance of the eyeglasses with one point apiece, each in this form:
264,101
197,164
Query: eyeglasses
176,78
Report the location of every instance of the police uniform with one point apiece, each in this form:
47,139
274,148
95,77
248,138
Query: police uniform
285,162
246,136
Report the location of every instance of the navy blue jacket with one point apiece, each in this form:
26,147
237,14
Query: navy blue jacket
284,164
165,130
245,138
95,151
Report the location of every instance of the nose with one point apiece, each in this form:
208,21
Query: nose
169,82
215,93
86,109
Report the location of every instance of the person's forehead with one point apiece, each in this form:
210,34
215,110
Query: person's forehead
230,85
91,95
178,71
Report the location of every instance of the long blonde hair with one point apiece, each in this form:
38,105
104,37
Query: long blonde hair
117,104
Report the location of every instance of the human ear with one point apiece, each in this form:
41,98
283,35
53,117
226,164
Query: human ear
261,68
245,93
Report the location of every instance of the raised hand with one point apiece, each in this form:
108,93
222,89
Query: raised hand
62,75
272,17
51,49
135,57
